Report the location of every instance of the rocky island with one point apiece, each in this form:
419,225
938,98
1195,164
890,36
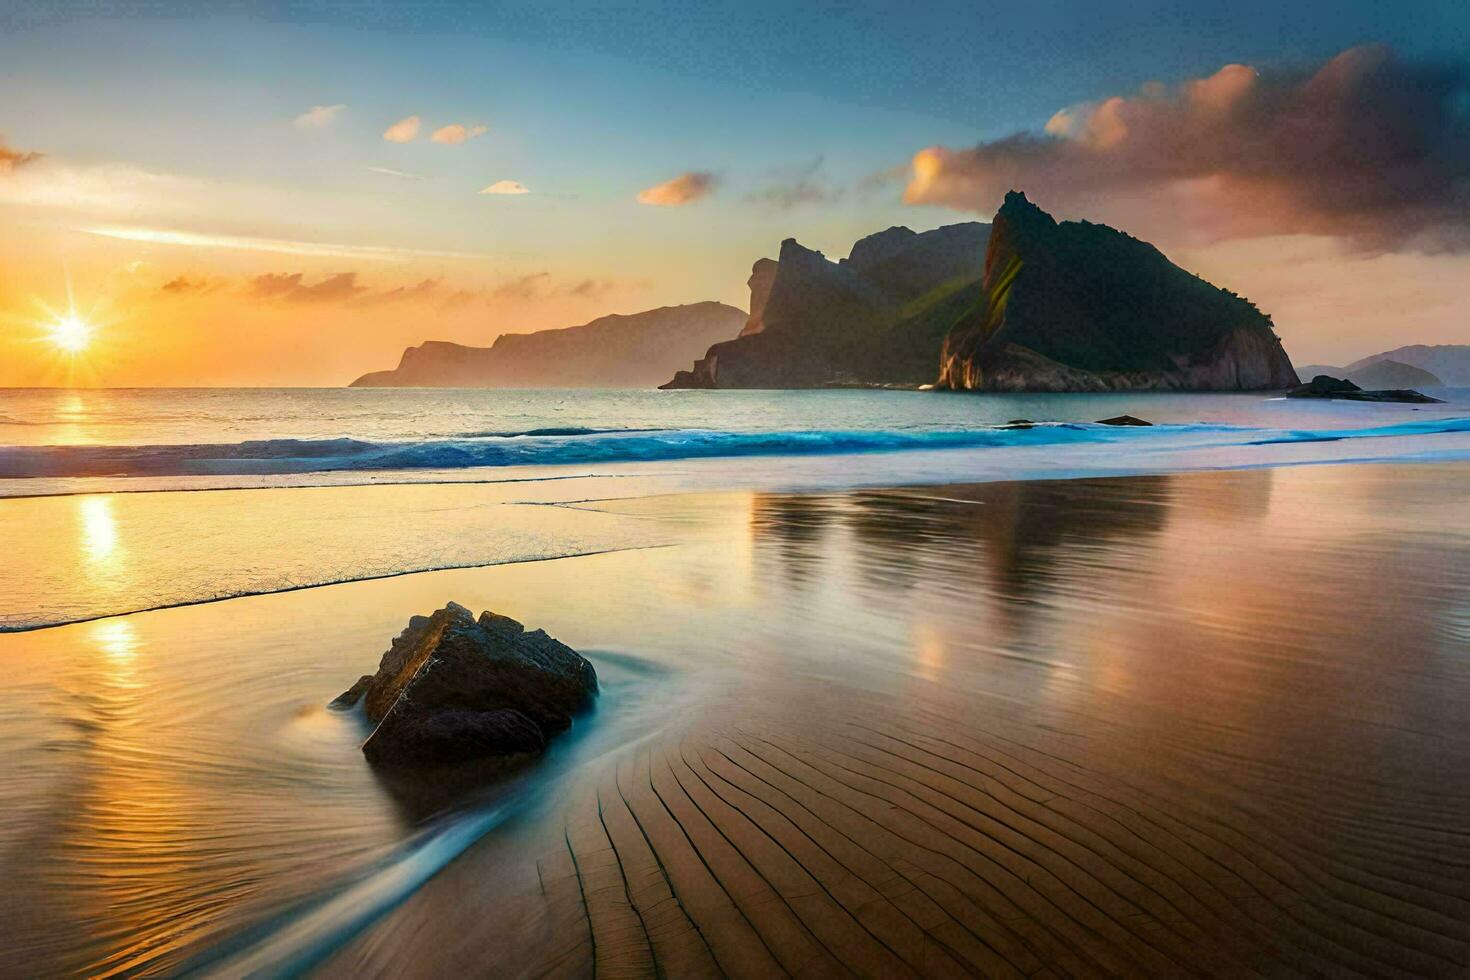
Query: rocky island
1023,304
1076,306
1325,386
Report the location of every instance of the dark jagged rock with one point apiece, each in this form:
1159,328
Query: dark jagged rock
353,694
1324,386
875,318
638,351
1123,420
1082,307
453,688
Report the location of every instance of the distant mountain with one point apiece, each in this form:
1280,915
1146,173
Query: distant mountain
1448,362
1077,306
634,351
876,317
1375,374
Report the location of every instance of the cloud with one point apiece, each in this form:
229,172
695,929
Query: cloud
405,130
401,174
172,236
11,160
506,187
318,116
1365,146
455,133
186,286
521,287
686,188
290,287
793,187
422,290
537,285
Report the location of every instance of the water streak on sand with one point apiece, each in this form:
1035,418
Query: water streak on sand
297,940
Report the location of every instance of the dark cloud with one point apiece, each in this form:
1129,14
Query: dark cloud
1366,146
290,287
795,187
14,159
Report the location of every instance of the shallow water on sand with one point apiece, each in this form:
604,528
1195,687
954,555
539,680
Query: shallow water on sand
1214,720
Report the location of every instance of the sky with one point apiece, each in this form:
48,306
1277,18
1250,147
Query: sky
291,193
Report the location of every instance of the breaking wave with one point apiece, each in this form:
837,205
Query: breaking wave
578,446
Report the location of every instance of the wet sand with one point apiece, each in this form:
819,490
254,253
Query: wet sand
1200,724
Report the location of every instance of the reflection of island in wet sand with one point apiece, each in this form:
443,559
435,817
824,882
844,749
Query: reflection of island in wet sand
1204,724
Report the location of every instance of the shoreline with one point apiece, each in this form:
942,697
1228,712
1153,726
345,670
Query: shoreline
727,478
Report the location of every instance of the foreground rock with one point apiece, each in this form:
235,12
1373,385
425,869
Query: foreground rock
1324,386
453,688
1123,420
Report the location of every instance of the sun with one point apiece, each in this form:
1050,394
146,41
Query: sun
71,334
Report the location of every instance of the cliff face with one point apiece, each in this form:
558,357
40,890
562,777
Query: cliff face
762,279
1083,307
634,351
877,317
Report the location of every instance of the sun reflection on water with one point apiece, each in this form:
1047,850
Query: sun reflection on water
100,550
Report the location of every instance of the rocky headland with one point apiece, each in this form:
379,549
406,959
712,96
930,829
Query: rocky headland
634,351
877,317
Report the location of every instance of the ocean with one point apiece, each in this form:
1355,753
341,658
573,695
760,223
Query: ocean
120,439
87,475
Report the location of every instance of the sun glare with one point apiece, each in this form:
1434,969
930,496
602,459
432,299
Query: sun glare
71,334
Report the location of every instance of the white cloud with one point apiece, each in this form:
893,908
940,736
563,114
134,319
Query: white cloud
405,130
456,133
390,172
173,236
318,116
506,187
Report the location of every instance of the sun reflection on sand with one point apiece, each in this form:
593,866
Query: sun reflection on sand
930,651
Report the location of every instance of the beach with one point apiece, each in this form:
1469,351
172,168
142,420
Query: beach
1205,723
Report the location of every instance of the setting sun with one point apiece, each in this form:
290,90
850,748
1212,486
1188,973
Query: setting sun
71,334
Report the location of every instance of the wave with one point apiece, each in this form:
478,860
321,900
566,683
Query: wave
571,430
542,447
